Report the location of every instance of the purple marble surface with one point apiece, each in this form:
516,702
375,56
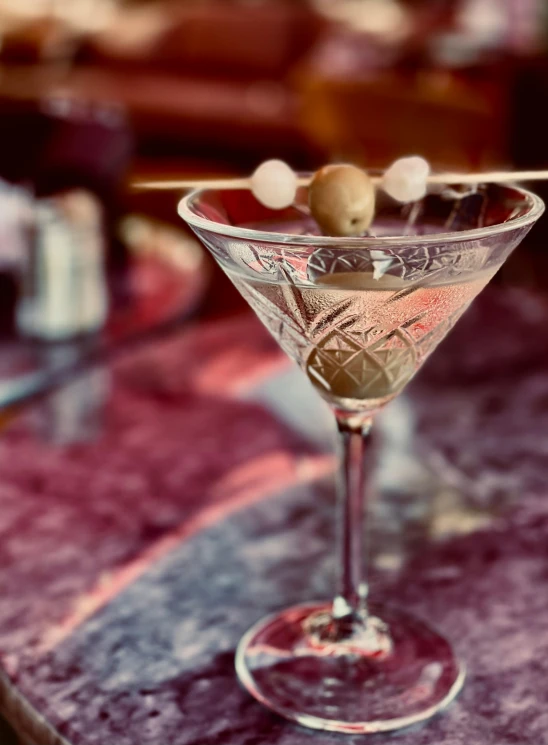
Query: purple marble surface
156,665
119,621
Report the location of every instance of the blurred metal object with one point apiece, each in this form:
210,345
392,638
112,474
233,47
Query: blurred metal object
73,413
64,290
15,219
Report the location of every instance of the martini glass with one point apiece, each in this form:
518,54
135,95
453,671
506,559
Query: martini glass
359,316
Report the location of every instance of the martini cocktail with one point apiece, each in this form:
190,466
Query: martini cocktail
359,315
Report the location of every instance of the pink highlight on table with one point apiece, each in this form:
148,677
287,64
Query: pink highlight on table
245,485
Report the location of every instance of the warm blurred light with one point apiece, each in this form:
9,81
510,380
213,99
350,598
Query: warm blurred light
385,18
486,21
86,15
24,8
133,29
80,15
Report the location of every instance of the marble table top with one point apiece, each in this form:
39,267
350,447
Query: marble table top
154,509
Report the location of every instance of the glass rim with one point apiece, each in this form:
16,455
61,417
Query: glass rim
186,212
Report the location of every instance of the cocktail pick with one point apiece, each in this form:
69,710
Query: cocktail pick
341,198
492,177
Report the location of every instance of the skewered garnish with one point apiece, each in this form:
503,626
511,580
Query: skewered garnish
406,179
342,197
444,179
274,184
342,200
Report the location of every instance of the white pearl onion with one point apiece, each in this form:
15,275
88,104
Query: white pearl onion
274,184
406,179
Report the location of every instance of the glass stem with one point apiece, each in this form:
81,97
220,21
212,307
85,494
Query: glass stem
351,600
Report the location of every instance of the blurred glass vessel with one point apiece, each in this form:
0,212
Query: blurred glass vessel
360,316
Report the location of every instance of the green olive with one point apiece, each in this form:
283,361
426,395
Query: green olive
342,200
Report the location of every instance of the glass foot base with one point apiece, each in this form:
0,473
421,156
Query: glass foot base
355,687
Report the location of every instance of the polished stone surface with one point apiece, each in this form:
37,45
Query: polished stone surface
131,565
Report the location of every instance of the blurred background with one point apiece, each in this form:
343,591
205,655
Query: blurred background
215,86
94,93
211,86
